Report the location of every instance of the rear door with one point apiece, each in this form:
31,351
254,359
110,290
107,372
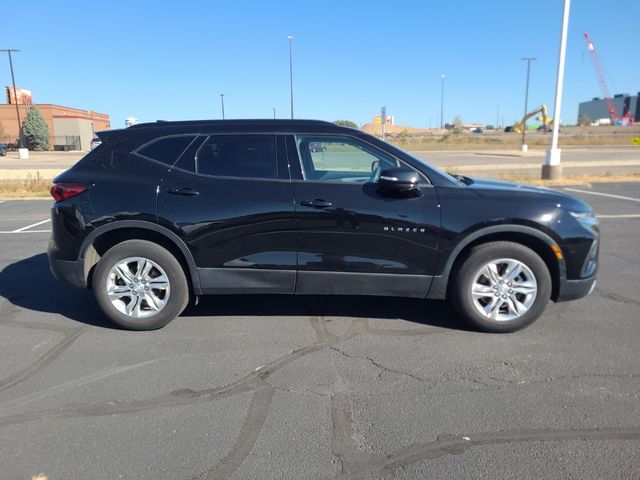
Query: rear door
230,199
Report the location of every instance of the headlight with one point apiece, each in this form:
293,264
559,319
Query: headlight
586,219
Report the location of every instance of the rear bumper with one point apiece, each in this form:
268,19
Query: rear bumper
574,289
71,272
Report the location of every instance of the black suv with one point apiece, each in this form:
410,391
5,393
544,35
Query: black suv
161,211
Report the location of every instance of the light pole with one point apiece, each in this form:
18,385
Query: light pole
290,38
442,103
552,168
524,147
222,104
15,95
274,112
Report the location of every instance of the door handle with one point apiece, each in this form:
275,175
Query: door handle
317,203
185,191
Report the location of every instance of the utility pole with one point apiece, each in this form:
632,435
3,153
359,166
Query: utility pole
552,168
274,112
222,104
15,94
524,146
290,38
442,103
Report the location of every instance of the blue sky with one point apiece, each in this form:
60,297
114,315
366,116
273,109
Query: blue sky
172,60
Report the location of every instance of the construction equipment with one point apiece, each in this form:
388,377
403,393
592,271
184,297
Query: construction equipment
544,118
597,66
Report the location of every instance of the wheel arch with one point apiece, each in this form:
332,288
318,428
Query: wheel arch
106,236
538,241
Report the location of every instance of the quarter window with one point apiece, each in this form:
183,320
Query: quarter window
341,159
168,149
247,156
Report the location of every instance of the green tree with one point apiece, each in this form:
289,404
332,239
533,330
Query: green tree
35,130
457,125
346,123
584,121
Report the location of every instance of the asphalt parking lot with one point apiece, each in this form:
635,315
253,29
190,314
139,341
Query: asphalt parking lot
318,387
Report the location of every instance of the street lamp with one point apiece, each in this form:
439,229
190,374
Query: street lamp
274,112
442,103
222,104
524,147
551,168
290,38
15,94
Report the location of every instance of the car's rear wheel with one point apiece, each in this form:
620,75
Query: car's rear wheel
501,287
140,285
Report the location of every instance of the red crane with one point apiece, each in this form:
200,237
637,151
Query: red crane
595,59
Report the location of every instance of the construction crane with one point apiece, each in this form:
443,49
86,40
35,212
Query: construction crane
597,66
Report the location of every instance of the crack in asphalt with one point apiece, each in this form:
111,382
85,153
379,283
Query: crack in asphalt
70,335
379,365
616,297
357,464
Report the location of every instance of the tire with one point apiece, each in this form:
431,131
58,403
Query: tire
131,270
488,298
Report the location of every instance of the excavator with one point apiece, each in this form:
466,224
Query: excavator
547,121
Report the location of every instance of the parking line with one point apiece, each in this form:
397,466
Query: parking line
603,194
632,215
18,230
25,231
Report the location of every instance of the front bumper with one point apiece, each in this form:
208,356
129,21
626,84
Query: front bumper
574,289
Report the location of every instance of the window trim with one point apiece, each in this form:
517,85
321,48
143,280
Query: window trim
427,182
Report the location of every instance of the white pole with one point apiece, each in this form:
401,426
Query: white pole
554,153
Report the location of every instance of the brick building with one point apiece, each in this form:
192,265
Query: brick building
69,128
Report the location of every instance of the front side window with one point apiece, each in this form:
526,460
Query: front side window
166,150
341,159
246,156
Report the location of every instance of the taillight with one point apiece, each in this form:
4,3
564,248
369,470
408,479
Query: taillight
63,191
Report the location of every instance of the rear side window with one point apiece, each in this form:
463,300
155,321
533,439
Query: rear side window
166,150
246,156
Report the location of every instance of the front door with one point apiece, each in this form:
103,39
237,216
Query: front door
352,239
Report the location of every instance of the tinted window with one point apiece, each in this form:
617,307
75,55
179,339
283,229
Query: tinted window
166,150
341,159
248,156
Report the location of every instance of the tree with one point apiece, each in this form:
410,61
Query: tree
346,123
457,125
584,121
35,131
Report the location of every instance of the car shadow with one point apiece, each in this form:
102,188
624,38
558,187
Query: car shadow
29,284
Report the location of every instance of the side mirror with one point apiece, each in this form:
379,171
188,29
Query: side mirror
399,182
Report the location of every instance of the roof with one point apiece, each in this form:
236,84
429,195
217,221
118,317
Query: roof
227,126
236,123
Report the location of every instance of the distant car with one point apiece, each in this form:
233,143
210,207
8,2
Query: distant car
477,130
317,147
3,149
95,143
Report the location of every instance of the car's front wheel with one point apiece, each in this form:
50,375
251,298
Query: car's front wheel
501,287
140,285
